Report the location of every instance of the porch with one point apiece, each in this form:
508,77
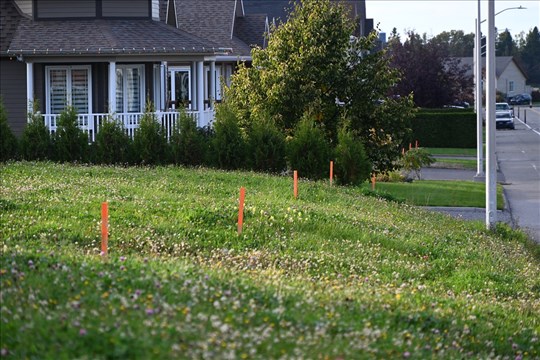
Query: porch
91,123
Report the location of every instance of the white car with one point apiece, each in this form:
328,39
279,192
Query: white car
504,119
504,107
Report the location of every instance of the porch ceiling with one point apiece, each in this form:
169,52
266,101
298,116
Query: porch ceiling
105,37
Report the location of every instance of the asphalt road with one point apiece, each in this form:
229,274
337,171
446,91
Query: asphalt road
518,157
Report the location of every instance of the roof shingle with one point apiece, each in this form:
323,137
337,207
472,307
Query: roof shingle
100,36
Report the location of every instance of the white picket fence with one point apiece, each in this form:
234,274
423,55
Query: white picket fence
91,123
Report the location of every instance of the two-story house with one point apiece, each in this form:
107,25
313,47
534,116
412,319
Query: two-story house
101,57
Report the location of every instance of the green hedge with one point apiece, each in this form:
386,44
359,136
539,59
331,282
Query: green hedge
452,128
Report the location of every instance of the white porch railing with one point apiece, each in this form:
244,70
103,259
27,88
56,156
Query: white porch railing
91,123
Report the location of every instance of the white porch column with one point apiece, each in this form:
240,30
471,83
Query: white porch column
163,89
193,105
200,93
212,96
29,86
112,87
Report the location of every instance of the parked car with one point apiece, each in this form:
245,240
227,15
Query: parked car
458,105
504,119
502,106
521,99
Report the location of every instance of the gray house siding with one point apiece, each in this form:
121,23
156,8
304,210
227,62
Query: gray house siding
122,8
13,74
46,9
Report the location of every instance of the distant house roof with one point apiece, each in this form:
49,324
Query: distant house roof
501,63
100,36
278,10
9,21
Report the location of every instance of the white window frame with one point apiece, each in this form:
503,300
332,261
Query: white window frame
170,72
142,84
68,69
511,87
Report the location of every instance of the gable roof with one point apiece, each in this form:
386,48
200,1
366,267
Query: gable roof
501,63
251,29
213,20
9,21
104,36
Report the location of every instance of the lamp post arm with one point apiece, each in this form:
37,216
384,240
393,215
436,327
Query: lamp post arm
511,8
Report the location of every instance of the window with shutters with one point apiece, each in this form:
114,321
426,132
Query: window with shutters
129,88
68,85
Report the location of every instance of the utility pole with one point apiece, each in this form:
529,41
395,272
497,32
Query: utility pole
491,170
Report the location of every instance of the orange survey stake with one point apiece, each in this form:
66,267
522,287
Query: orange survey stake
295,186
241,210
104,227
331,171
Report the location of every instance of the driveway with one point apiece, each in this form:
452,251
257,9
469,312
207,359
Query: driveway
518,157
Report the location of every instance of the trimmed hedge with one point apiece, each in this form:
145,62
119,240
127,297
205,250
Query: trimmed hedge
453,128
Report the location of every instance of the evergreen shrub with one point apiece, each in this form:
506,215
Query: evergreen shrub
8,141
351,162
36,140
70,142
187,142
112,144
308,151
228,142
149,141
266,147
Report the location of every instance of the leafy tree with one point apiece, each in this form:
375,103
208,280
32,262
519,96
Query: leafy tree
506,46
303,64
529,55
8,141
70,142
435,78
457,43
312,64
36,141
414,159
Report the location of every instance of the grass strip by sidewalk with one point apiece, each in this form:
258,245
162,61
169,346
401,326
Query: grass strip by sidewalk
441,162
440,193
451,151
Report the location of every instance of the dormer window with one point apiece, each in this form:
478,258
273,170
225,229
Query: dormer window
82,9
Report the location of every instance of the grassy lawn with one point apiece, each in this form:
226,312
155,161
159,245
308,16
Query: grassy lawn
454,163
332,274
441,193
451,151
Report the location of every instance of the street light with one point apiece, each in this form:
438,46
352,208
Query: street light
478,96
491,174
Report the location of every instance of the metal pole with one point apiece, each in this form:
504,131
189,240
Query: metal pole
491,171
478,77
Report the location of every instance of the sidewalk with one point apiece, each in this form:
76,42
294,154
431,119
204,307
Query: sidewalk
466,213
